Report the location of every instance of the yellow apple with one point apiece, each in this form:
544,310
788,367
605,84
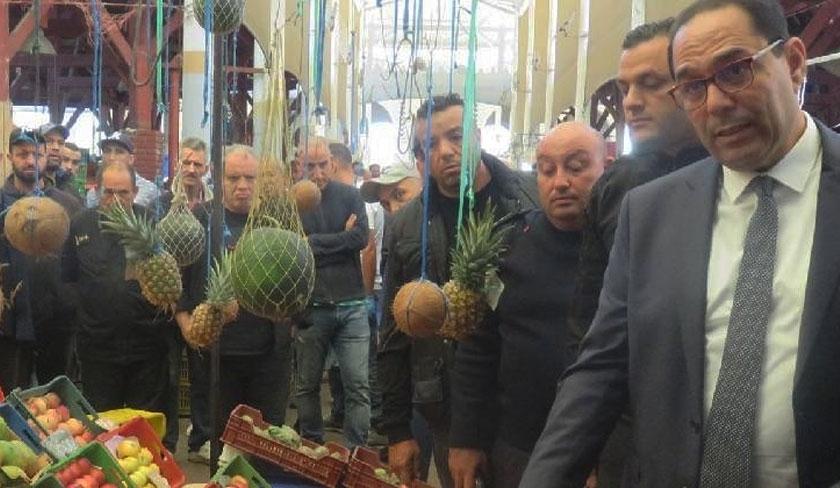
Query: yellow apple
145,456
130,464
128,448
138,478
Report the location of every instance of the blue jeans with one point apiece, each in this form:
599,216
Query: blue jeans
346,330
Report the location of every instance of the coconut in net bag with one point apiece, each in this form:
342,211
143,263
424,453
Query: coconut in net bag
272,266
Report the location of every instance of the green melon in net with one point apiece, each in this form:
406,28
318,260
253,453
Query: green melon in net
227,14
273,272
181,235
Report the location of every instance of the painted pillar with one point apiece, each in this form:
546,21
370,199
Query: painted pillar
192,82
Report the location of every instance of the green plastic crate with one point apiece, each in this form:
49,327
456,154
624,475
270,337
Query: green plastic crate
78,406
239,466
99,456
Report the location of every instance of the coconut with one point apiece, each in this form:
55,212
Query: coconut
307,195
420,308
273,272
37,226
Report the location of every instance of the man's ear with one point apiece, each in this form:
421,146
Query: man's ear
796,56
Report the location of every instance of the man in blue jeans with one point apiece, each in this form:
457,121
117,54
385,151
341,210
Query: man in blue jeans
337,316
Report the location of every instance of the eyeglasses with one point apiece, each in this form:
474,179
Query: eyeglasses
732,78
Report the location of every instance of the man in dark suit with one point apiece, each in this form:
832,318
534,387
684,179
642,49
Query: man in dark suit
719,322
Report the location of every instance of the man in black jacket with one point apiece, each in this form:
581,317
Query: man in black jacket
337,230
121,337
39,320
415,372
255,362
663,141
512,363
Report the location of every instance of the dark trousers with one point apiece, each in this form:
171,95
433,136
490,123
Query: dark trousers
54,356
175,347
16,361
440,451
507,465
199,372
140,384
261,381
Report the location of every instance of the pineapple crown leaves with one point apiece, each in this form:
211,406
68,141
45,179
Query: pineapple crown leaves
219,287
479,248
135,232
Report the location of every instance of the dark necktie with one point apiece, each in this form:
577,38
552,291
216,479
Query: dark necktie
730,425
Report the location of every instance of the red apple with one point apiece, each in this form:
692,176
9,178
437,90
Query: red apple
84,465
64,477
52,399
74,471
98,475
238,481
63,412
108,485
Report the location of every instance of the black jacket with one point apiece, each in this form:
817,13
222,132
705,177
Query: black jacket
41,304
338,271
415,372
115,322
248,335
505,375
626,173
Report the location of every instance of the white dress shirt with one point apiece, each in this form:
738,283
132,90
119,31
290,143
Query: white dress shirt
797,178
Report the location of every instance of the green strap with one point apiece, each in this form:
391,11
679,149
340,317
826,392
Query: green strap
470,149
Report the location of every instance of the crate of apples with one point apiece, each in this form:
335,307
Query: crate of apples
137,462
81,473
50,414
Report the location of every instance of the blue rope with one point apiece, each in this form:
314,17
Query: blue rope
405,19
235,85
453,41
427,146
396,23
208,26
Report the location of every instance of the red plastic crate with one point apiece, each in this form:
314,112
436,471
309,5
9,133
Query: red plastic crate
360,472
145,434
239,434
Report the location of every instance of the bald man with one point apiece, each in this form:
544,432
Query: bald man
515,359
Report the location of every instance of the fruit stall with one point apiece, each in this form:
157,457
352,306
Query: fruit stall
50,437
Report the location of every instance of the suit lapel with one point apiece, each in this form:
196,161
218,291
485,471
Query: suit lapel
695,241
825,259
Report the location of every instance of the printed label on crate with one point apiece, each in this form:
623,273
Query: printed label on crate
60,443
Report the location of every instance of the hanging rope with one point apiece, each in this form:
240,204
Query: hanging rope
208,29
96,97
470,152
453,41
160,46
427,148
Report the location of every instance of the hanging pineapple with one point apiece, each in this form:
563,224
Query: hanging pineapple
181,234
156,270
476,255
219,307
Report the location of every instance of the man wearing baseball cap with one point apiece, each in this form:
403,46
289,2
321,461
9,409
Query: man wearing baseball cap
55,137
395,187
118,148
37,321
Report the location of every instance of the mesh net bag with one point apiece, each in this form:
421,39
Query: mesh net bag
227,14
272,267
181,234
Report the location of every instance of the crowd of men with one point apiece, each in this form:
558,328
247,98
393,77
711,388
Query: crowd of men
667,318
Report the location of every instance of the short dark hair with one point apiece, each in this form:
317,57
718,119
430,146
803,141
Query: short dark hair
340,152
72,147
439,104
116,165
647,32
767,17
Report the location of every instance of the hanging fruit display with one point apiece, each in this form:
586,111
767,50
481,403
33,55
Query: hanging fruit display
37,226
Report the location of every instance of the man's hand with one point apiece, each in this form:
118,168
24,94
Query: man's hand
404,459
465,465
348,226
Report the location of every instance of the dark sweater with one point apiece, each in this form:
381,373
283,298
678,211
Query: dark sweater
509,369
338,271
247,335
115,322
626,173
